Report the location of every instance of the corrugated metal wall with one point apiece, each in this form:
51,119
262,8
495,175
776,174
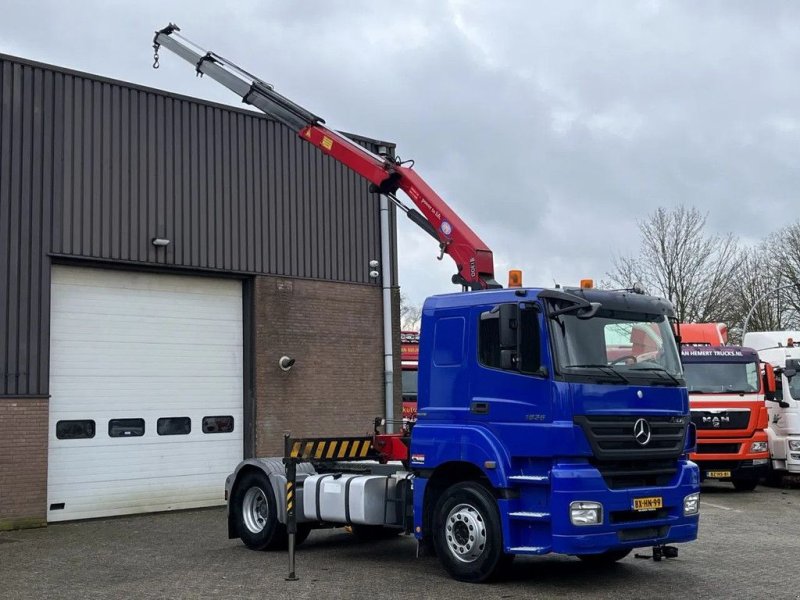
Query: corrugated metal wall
95,168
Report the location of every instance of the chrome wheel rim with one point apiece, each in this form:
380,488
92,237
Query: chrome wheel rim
255,510
465,533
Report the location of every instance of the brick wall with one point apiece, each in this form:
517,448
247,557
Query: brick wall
23,462
334,331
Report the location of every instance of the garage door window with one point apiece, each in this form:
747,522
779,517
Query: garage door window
218,424
174,426
125,427
75,430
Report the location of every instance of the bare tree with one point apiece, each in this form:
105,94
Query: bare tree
679,260
785,252
410,314
758,277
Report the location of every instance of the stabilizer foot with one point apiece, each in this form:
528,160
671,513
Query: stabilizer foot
660,552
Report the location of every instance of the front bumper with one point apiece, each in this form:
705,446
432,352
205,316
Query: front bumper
717,455
739,469
621,527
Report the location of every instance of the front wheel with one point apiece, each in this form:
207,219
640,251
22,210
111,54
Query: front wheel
745,485
605,558
467,533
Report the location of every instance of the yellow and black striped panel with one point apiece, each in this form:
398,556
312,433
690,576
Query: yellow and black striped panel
289,496
349,448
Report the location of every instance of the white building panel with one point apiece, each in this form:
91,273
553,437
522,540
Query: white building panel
130,345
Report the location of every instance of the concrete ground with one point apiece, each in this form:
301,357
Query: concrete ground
749,547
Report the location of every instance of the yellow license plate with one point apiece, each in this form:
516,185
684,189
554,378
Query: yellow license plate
718,474
648,503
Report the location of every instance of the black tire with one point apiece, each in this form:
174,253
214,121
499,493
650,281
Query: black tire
744,485
373,533
774,478
255,513
468,535
608,557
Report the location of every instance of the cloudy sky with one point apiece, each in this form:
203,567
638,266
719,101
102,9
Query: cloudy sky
551,127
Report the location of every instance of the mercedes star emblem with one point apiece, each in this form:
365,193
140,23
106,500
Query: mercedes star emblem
641,432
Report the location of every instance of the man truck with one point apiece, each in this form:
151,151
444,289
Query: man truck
530,437
781,350
727,390
409,364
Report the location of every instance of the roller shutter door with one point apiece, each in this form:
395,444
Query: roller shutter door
146,391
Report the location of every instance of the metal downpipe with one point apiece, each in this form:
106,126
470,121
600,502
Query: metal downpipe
386,271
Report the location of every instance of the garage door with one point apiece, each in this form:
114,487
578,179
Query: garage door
146,391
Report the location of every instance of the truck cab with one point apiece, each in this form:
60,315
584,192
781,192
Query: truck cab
780,350
726,395
569,406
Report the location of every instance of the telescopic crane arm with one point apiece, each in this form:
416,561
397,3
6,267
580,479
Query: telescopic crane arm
472,257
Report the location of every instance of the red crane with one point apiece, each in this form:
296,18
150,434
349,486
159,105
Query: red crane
386,175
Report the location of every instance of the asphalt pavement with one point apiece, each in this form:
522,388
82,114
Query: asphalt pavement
749,547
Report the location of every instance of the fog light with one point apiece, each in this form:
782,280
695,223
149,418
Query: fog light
758,447
586,513
760,461
794,445
795,456
691,504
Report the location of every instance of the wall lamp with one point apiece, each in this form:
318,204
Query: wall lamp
159,242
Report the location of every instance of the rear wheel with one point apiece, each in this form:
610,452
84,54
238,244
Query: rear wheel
745,485
255,513
467,533
605,558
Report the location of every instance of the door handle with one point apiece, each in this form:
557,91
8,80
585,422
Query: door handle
479,408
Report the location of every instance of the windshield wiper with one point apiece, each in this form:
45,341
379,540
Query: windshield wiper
605,368
658,370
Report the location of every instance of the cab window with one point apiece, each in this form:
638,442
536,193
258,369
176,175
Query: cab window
528,359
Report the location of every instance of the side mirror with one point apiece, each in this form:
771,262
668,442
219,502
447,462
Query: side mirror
790,373
509,335
769,382
590,311
508,360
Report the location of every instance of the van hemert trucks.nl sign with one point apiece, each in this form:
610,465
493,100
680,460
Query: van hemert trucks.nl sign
700,354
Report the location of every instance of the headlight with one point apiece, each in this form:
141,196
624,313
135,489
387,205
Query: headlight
794,445
691,504
761,446
586,513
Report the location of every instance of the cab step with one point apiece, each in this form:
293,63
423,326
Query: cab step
529,550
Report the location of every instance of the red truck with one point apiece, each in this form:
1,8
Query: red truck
409,358
727,387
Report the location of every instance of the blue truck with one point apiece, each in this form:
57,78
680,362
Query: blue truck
529,439
548,420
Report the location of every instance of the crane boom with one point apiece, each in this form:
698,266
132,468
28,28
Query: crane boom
473,258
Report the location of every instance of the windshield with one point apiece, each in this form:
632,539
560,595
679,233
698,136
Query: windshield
794,387
618,346
719,378
409,384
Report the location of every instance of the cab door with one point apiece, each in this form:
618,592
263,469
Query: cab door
512,392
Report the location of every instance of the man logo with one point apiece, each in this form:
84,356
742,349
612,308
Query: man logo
641,432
